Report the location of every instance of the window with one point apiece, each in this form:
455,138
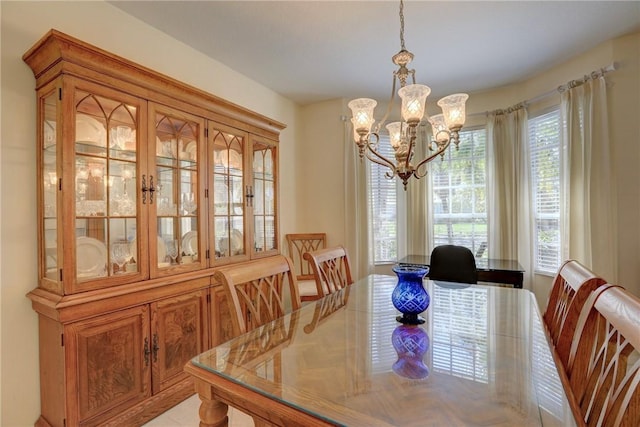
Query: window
384,200
544,142
459,194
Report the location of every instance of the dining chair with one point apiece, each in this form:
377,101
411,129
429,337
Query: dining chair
331,269
256,291
299,244
571,287
604,360
451,263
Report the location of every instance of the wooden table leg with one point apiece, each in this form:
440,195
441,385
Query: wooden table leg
212,412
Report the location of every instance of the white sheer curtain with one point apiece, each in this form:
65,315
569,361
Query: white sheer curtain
418,220
356,209
509,200
588,223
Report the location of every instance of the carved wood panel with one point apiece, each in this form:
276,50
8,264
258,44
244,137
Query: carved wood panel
179,332
108,358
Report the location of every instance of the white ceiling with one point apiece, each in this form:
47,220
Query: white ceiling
311,51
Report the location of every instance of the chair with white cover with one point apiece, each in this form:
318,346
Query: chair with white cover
604,360
259,291
331,269
299,244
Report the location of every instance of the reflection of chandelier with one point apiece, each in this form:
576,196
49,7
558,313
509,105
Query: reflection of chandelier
402,135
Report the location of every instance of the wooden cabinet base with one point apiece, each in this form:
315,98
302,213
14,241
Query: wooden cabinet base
117,368
146,410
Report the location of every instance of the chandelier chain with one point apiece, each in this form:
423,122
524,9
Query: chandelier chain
402,26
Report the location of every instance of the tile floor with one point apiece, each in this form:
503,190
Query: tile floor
186,414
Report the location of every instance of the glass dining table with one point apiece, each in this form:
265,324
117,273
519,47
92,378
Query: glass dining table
481,359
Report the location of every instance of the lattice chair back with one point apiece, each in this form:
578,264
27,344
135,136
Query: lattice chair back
299,244
605,359
331,269
259,291
572,286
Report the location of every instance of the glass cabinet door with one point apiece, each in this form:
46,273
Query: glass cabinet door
177,195
105,143
51,254
228,202
264,197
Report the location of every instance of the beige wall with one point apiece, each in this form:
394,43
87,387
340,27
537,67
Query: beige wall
105,26
320,171
624,114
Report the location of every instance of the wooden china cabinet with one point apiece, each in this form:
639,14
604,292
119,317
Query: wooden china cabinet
145,186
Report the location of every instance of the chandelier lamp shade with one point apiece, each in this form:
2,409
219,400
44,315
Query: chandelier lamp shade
445,127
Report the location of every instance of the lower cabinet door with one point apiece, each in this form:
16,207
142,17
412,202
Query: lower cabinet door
109,362
179,327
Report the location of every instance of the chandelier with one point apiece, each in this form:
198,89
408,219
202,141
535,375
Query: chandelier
402,135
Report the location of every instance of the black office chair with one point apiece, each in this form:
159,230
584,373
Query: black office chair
452,263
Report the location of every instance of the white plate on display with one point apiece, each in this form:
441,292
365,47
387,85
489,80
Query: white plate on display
190,243
89,130
236,242
91,257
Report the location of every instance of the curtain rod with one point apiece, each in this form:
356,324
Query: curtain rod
572,83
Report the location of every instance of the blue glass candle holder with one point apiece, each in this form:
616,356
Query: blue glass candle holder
410,343
409,296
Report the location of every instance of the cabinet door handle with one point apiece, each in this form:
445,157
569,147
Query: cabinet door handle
249,195
144,189
151,189
155,348
146,351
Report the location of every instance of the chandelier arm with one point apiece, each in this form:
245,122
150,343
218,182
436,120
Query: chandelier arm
389,106
379,158
431,157
418,174
392,169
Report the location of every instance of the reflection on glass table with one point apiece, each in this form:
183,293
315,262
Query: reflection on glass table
478,345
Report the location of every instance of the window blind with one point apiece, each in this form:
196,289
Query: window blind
544,140
383,205
459,194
